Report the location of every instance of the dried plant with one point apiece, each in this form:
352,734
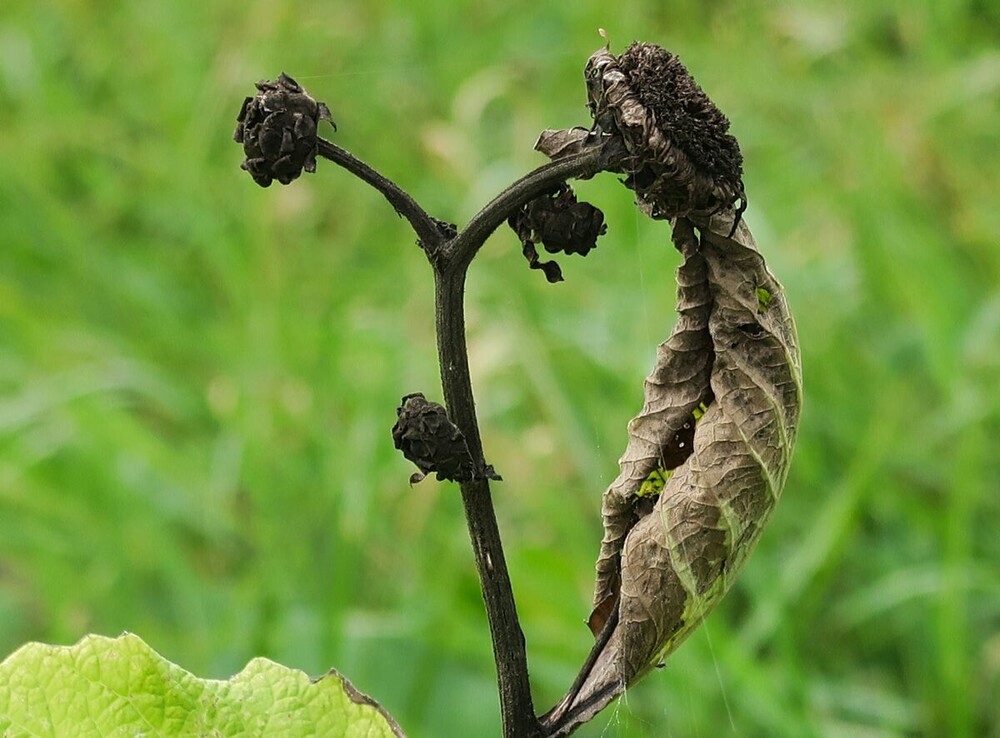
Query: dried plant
708,454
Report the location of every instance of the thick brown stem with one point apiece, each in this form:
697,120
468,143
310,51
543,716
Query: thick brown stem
450,267
517,711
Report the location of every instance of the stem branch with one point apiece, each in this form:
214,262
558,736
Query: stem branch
516,707
450,259
427,229
463,248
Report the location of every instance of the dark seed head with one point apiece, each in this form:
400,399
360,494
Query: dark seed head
277,128
561,223
682,156
428,438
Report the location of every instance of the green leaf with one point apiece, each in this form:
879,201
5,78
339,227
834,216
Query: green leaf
122,687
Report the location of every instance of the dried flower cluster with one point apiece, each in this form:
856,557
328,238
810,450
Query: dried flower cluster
277,128
428,438
561,223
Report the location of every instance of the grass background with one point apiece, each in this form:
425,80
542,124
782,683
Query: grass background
198,377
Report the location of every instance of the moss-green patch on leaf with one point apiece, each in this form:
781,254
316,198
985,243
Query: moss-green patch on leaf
764,298
120,686
654,483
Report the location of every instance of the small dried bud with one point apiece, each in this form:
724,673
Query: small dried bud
561,224
277,128
683,157
428,438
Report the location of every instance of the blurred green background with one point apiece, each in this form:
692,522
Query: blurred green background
198,377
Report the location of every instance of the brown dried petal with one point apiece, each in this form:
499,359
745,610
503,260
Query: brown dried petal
557,144
551,269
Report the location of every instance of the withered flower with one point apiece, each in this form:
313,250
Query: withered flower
277,128
682,158
561,223
428,438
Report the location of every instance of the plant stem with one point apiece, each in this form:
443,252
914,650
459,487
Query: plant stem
450,259
463,248
427,229
516,708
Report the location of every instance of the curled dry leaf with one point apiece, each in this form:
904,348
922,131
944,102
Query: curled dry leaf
733,370
708,455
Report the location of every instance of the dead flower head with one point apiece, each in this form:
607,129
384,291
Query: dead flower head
277,128
682,157
561,223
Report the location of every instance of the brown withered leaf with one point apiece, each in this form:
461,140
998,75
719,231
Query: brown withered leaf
708,454
557,144
663,567
678,384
